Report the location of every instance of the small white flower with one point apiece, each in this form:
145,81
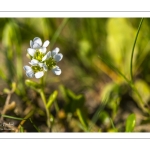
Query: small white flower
30,72
41,62
57,56
51,59
36,44
54,54
56,70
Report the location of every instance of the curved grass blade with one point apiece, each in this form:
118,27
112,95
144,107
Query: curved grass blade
131,70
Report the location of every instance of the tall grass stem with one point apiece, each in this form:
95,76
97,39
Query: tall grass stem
131,62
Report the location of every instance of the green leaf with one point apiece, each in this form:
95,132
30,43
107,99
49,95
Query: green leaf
52,98
143,89
73,101
130,123
35,86
119,42
83,119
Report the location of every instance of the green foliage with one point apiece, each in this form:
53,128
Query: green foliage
52,98
95,91
34,85
130,123
73,101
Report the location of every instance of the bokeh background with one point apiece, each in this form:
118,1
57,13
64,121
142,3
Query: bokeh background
90,94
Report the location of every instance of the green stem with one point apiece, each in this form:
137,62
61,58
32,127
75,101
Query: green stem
34,125
11,117
47,111
112,124
131,71
41,91
25,118
131,84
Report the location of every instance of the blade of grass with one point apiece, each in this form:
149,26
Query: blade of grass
11,117
131,63
34,125
142,104
25,118
112,124
96,115
82,119
57,33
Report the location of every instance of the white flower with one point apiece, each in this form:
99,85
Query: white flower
36,44
56,70
41,62
52,58
30,72
54,54
35,62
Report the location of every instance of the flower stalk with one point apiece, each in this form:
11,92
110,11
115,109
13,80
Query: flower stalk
40,63
47,111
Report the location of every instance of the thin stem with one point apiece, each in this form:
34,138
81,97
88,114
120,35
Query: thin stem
113,126
34,125
25,118
47,111
131,63
10,117
41,91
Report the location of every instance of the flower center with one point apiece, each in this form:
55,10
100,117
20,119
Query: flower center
36,68
50,63
38,55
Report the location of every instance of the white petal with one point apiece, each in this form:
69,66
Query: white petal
48,55
41,64
45,67
36,38
39,74
31,43
27,68
56,70
34,62
30,74
55,51
58,57
29,71
46,43
38,41
36,45
31,51
42,50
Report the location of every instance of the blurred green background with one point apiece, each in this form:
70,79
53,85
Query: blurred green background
91,94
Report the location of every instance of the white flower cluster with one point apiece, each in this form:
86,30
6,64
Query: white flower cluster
40,61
